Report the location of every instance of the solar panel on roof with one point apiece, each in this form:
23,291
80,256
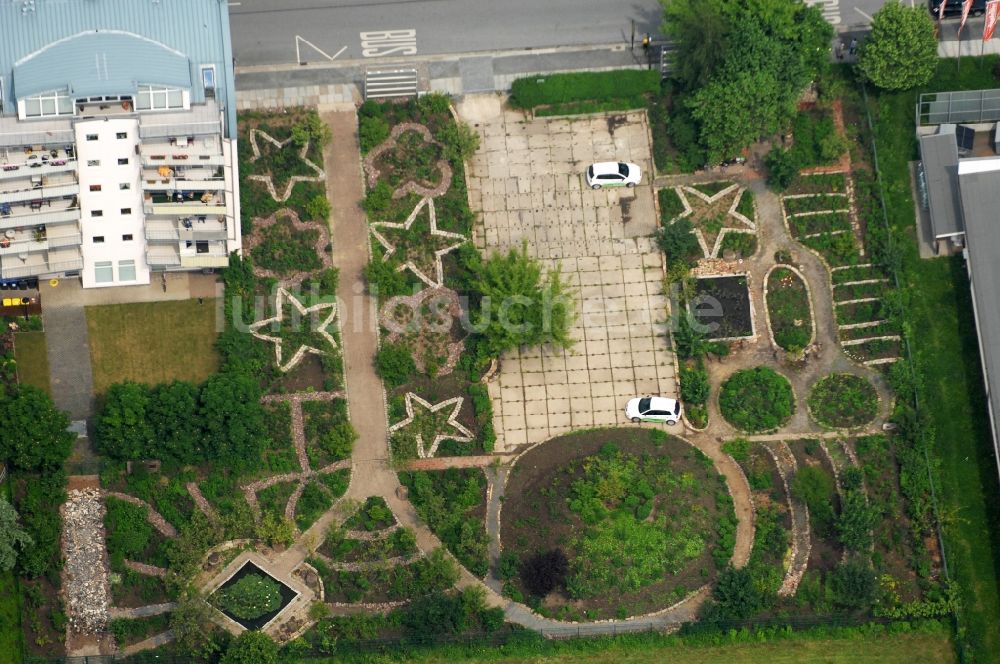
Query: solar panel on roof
964,138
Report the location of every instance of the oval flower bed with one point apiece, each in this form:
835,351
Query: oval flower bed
788,310
843,401
755,400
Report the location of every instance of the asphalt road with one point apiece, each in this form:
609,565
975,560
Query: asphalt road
274,32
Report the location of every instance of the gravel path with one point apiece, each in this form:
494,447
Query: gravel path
144,568
152,642
155,518
799,558
143,611
202,502
85,575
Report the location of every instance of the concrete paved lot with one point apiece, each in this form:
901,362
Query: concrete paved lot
527,182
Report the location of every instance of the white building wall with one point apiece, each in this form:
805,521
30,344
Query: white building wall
119,208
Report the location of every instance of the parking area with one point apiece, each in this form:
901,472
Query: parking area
527,183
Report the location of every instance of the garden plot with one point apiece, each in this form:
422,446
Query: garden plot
721,307
789,309
867,330
648,521
821,217
721,215
526,180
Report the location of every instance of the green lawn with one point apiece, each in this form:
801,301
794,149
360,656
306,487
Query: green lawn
840,647
947,355
32,359
152,342
11,644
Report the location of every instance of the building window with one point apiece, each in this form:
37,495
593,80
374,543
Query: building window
91,137
126,270
208,80
97,213
103,272
98,239
124,186
127,237
123,161
95,187
126,210
152,98
51,103
93,162
121,135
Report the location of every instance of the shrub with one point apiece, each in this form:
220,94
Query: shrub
544,572
679,243
251,647
395,364
781,168
128,529
853,584
34,431
123,430
856,520
460,141
372,131
694,386
253,596
843,400
670,204
738,448
318,208
814,487
736,595
757,399
378,199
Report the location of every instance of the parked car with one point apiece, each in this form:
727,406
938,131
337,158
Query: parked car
954,7
653,409
613,174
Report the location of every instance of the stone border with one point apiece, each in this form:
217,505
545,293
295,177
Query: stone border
414,302
256,238
457,402
809,299
844,430
277,341
405,226
261,563
268,179
792,575
683,190
372,173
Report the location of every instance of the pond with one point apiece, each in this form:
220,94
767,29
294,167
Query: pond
287,595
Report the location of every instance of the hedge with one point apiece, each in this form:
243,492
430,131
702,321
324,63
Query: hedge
534,91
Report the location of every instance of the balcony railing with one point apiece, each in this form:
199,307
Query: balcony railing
14,171
191,208
40,193
173,184
38,269
163,258
212,259
154,160
68,240
22,247
36,218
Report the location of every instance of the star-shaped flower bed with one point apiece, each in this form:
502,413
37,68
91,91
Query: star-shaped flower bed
417,244
428,323
283,163
297,329
430,424
712,216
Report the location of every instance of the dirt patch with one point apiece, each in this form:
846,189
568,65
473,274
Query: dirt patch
536,516
722,306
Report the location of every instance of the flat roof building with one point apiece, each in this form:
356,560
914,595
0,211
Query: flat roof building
117,139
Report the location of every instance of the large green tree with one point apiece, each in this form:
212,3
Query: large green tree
901,51
232,417
123,430
171,414
34,437
520,305
251,647
742,65
12,536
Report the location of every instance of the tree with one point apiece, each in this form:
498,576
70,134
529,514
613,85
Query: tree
544,572
170,413
12,536
901,51
34,436
700,32
814,486
736,595
855,523
520,306
853,584
251,647
232,417
123,431
191,624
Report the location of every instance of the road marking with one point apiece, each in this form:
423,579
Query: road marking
864,14
830,9
298,56
388,42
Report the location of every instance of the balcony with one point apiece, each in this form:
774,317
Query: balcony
214,259
39,265
163,257
27,241
38,194
49,216
13,171
197,203
188,229
158,184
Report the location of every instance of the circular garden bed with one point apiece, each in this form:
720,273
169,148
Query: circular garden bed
788,310
843,401
613,523
757,399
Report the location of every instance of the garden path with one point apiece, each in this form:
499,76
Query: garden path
145,568
799,556
152,642
155,518
142,611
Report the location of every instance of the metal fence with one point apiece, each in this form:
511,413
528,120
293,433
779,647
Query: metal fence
968,106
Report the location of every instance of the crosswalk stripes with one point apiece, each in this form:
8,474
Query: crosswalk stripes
383,83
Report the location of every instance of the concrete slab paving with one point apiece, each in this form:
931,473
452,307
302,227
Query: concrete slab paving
527,183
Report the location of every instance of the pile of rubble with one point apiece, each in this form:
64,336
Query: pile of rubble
85,576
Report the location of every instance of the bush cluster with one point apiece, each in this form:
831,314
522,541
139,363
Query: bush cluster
251,597
534,91
757,399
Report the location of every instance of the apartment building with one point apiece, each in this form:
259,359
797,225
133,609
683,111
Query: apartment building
117,139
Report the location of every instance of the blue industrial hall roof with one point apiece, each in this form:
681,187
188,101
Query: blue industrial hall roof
101,63
130,40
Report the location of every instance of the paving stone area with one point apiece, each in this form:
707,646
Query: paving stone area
527,181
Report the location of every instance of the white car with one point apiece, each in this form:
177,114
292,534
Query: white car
653,409
613,174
